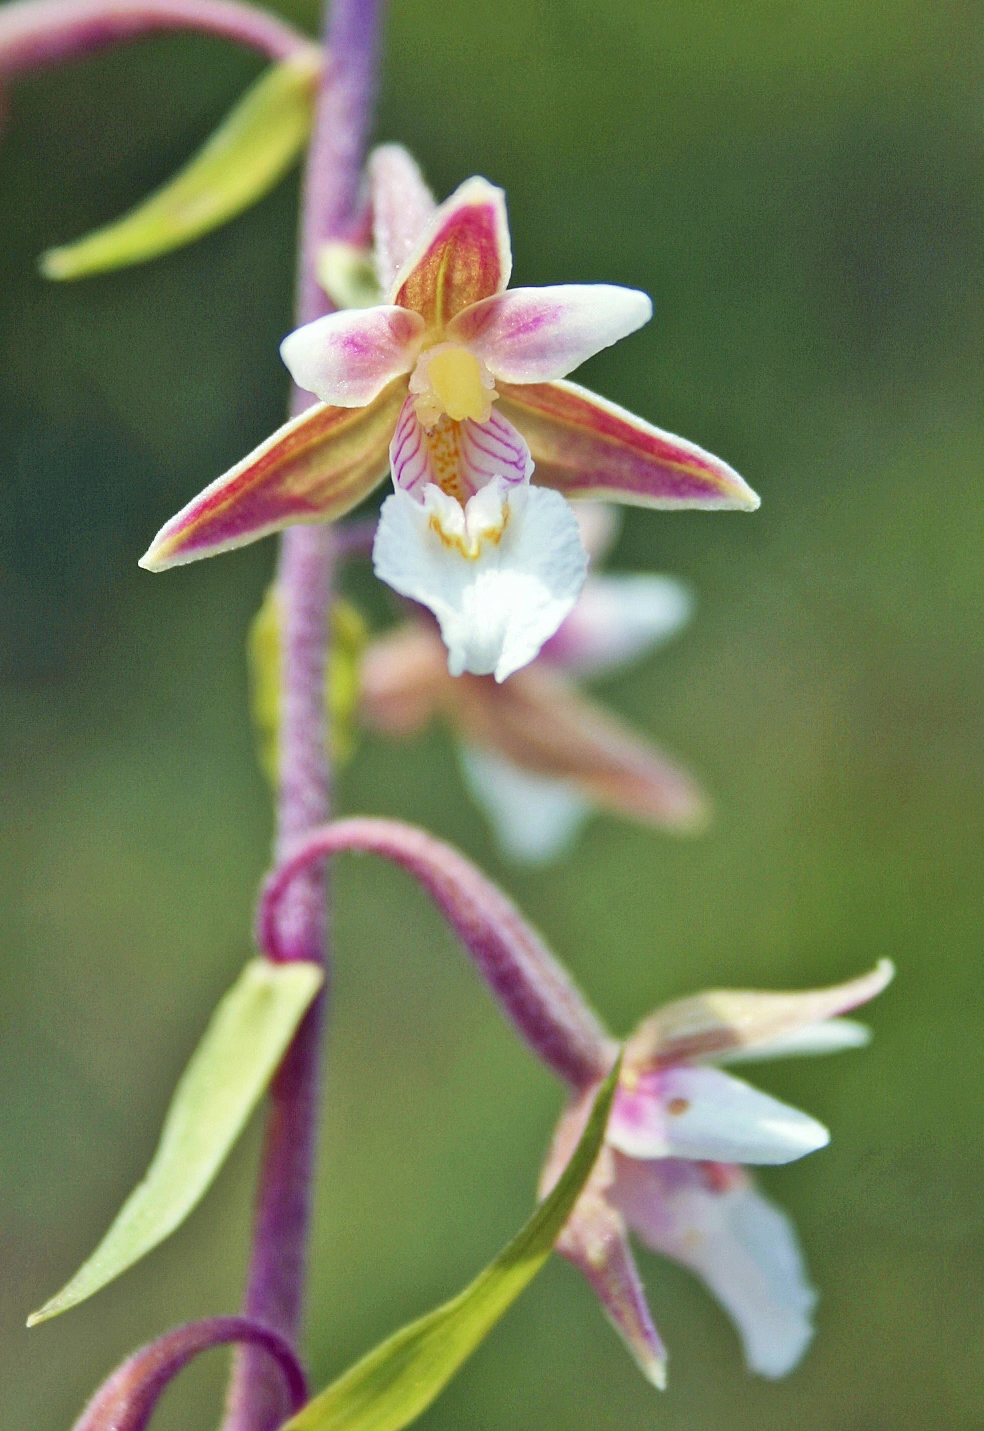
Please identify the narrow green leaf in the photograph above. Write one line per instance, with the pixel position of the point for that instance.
(397, 1381)
(243, 1044)
(246, 156)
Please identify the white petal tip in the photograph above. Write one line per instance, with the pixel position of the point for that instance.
(886, 971)
(655, 1373)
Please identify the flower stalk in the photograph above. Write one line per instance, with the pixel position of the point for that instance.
(275, 1281)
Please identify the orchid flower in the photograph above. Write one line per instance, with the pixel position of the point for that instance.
(680, 1131)
(456, 383)
(672, 1169)
(537, 755)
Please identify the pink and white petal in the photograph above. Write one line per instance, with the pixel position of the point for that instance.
(535, 818)
(812, 1040)
(714, 1221)
(462, 256)
(403, 680)
(542, 725)
(596, 1242)
(459, 457)
(315, 468)
(618, 619)
(720, 1021)
(588, 447)
(347, 358)
(533, 335)
(401, 207)
(702, 1113)
(496, 607)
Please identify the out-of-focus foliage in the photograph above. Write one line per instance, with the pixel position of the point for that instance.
(798, 186)
(347, 643)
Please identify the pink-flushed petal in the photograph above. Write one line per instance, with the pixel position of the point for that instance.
(618, 619)
(539, 722)
(402, 204)
(404, 680)
(315, 468)
(459, 457)
(595, 1240)
(348, 358)
(533, 335)
(711, 1218)
(721, 1020)
(462, 256)
(588, 447)
(685, 1111)
(599, 524)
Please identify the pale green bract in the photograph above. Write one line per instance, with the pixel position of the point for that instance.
(225, 1079)
(396, 1382)
(246, 156)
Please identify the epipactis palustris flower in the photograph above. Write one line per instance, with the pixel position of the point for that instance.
(537, 754)
(673, 1172)
(456, 383)
(681, 1130)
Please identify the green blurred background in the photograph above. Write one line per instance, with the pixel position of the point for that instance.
(798, 186)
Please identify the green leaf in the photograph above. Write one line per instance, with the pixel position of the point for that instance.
(243, 1044)
(246, 156)
(397, 1381)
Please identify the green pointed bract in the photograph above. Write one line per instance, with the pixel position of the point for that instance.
(228, 1073)
(395, 1383)
(243, 160)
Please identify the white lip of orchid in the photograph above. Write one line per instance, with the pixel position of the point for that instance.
(449, 381)
(467, 528)
(500, 572)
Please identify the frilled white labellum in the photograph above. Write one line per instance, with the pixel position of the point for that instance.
(500, 574)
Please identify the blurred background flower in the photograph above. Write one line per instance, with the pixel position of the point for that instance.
(799, 190)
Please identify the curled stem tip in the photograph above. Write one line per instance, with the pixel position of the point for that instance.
(126, 1401)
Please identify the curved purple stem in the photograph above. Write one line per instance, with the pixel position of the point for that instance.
(330, 208)
(528, 982)
(126, 1401)
(43, 32)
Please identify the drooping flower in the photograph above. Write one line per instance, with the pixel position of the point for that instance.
(456, 382)
(681, 1130)
(537, 755)
(673, 1172)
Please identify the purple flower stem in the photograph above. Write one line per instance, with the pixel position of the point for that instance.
(529, 984)
(126, 1400)
(330, 209)
(44, 32)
